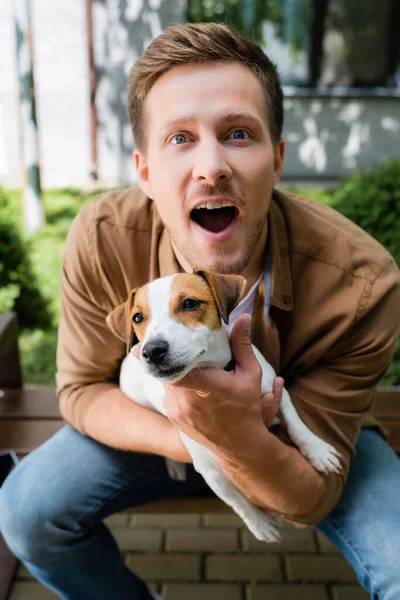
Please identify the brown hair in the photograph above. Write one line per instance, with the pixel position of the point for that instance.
(193, 43)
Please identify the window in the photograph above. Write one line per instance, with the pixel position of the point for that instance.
(352, 43)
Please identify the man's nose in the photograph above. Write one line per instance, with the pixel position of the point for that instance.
(211, 165)
(155, 351)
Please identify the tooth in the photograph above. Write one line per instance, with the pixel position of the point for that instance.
(210, 205)
(218, 205)
(226, 204)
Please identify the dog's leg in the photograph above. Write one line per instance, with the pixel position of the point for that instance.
(261, 523)
(147, 392)
(321, 455)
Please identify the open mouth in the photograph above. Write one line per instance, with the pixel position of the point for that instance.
(214, 217)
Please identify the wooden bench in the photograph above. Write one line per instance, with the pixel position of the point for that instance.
(29, 417)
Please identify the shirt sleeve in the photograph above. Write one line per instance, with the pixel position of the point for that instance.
(333, 397)
(88, 353)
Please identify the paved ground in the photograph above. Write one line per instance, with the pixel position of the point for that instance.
(212, 557)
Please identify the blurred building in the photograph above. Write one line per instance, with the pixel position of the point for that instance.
(338, 60)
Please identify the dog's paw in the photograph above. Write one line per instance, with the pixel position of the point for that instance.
(322, 456)
(264, 527)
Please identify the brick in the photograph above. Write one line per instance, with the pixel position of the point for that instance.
(202, 540)
(243, 568)
(221, 520)
(22, 572)
(200, 591)
(139, 540)
(117, 520)
(22, 590)
(325, 545)
(165, 520)
(164, 567)
(293, 540)
(349, 592)
(319, 568)
(286, 592)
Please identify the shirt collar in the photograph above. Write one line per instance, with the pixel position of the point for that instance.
(281, 284)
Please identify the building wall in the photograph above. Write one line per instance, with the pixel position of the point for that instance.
(326, 137)
(330, 137)
(61, 93)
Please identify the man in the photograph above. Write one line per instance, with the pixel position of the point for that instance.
(205, 105)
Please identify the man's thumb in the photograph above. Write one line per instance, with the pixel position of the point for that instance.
(241, 343)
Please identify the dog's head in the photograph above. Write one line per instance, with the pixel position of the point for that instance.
(177, 319)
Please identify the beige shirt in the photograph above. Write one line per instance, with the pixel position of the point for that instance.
(335, 311)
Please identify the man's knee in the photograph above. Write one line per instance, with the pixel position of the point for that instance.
(28, 506)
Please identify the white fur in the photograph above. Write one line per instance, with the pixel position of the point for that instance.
(201, 347)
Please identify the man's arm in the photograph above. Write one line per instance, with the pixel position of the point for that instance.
(118, 422)
(331, 398)
(89, 355)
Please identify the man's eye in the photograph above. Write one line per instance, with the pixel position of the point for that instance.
(240, 134)
(138, 318)
(190, 304)
(179, 139)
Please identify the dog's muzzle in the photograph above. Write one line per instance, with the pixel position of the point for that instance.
(155, 352)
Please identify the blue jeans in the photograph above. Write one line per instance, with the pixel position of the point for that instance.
(53, 503)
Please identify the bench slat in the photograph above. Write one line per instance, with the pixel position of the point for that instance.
(43, 403)
(10, 368)
(25, 435)
(194, 505)
(387, 404)
(8, 564)
(29, 404)
(393, 427)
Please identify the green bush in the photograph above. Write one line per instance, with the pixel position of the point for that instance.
(18, 285)
(372, 201)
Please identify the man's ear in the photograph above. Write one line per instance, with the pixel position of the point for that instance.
(119, 321)
(142, 172)
(227, 290)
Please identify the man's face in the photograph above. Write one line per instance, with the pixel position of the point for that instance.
(208, 141)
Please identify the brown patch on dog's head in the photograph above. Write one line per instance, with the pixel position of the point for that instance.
(227, 290)
(188, 287)
(141, 305)
(120, 320)
(120, 323)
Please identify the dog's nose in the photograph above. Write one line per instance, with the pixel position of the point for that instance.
(155, 351)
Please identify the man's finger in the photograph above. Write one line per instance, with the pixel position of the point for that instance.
(241, 344)
(201, 381)
(270, 402)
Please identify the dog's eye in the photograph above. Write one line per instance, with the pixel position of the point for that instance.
(190, 304)
(138, 318)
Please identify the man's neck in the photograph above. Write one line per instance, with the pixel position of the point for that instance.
(251, 272)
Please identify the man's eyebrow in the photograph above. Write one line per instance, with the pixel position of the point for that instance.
(229, 117)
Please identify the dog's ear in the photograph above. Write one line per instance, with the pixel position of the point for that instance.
(119, 321)
(227, 290)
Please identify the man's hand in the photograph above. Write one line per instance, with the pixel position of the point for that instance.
(271, 401)
(224, 410)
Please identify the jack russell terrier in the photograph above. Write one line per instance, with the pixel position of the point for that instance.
(177, 319)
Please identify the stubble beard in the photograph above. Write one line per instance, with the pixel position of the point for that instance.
(221, 263)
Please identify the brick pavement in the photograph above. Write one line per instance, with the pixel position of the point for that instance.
(193, 557)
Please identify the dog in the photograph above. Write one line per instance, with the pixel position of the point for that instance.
(179, 321)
